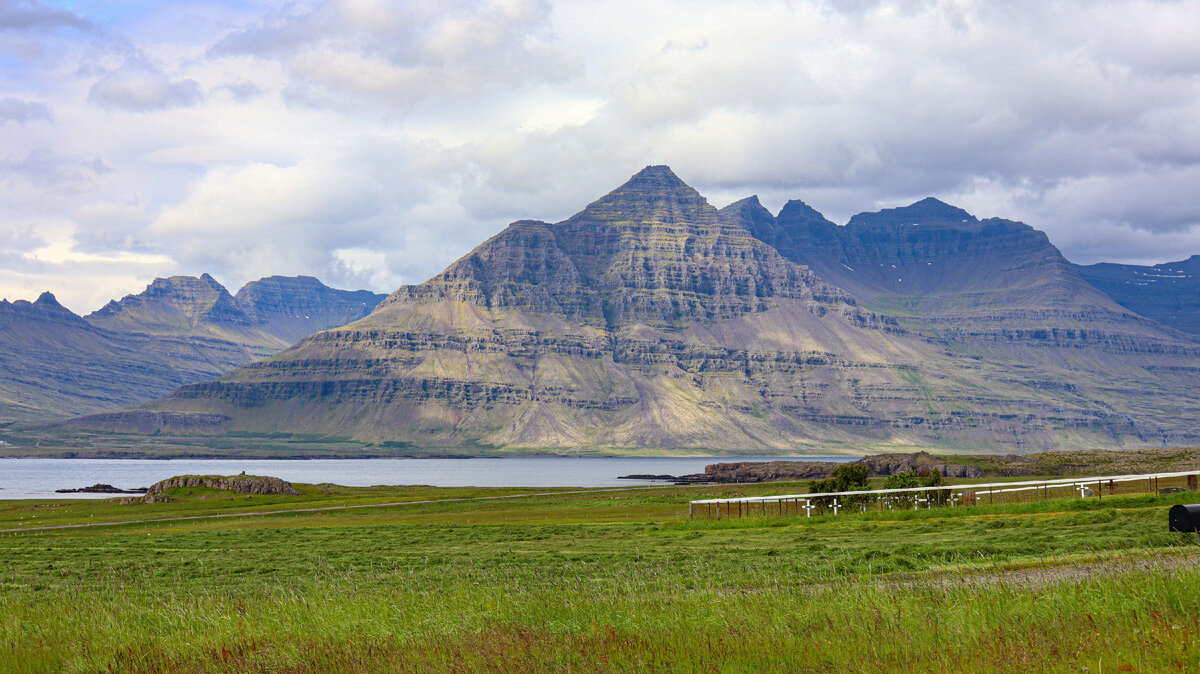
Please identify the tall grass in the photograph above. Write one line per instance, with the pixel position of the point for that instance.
(1053, 586)
(1147, 618)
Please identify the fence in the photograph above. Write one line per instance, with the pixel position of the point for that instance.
(915, 498)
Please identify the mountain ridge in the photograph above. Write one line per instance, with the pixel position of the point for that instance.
(652, 319)
(180, 330)
(1168, 292)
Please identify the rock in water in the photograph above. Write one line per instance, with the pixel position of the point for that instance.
(100, 488)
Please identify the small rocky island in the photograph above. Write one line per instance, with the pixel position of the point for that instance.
(101, 488)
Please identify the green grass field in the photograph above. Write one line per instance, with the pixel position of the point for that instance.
(593, 581)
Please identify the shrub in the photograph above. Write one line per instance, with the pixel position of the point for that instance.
(846, 477)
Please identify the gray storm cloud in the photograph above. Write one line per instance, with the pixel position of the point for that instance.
(25, 15)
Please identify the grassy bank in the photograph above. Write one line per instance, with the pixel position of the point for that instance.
(595, 581)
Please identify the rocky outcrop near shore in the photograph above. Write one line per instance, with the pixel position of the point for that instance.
(879, 465)
(241, 484)
(1053, 463)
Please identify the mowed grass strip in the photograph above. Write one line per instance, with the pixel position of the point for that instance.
(565, 582)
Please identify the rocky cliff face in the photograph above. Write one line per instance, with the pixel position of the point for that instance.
(652, 251)
(949, 276)
(650, 319)
(178, 331)
(1168, 293)
(293, 307)
(270, 313)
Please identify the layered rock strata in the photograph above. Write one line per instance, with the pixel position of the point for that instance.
(650, 319)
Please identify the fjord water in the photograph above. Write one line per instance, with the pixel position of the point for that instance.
(38, 478)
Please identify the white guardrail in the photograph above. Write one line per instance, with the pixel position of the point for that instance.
(955, 494)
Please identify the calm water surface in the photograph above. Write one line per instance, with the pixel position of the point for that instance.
(38, 478)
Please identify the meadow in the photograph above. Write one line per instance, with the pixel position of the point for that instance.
(593, 580)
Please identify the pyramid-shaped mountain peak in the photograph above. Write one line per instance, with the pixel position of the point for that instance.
(657, 177)
(47, 299)
(651, 252)
(654, 194)
(796, 212)
(748, 203)
(657, 182)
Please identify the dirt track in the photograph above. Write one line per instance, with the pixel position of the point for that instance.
(1034, 578)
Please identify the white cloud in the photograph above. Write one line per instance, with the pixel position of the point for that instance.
(254, 220)
(138, 86)
(401, 53)
(344, 217)
(371, 143)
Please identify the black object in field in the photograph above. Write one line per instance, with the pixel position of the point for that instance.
(1185, 518)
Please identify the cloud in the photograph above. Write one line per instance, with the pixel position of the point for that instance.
(138, 86)
(48, 170)
(371, 143)
(19, 239)
(335, 216)
(18, 111)
(107, 227)
(23, 15)
(241, 91)
(398, 53)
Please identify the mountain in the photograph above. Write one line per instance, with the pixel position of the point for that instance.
(187, 306)
(54, 363)
(930, 261)
(270, 313)
(1168, 293)
(290, 308)
(651, 319)
(180, 330)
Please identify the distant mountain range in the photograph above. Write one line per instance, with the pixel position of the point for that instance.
(180, 330)
(652, 319)
(1168, 293)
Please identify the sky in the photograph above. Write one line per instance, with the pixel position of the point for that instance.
(372, 143)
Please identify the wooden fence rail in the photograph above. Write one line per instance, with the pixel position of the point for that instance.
(915, 498)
